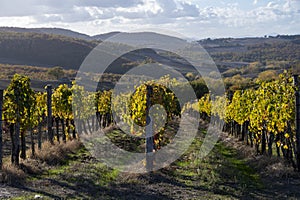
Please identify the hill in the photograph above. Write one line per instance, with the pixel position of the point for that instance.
(47, 50)
(104, 36)
(270, 52)
(54, 31)
(59, 31)
(48, 47)
(43, 49)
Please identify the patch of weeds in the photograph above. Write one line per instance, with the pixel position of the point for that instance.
(125, 141)
(57, 154)
(58, 170)
(31, 196)
(237, 168)
(12, 175)
(221, 171)
(104, 175)
(183, 164)
(193, 171)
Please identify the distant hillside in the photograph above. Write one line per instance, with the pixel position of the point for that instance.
(43, 49)
(48, 50)
(254, 49)
(273, 52)
(49, 47)
(59, 31)
(104, 36)
(55, 31)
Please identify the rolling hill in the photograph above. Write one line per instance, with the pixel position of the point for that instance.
(48, 47)
(47, 50)
(43, 49)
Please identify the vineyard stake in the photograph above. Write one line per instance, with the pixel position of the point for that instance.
(49, 112)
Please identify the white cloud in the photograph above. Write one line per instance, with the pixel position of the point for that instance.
(192, 17)
(15, 21)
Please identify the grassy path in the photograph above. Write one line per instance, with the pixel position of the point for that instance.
(223, 174)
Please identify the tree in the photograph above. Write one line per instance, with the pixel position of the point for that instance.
(199, 87)
(56, 72)
(190, 76)
(267, 75)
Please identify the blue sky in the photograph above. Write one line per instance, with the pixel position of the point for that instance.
(192, 18)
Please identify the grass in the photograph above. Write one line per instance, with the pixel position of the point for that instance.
(125, 141)
(69, 159)
(31, 196)
(222, 171)
(32, 168)
(245, 177)
(12, 175)
(57, 154)
(73, 173)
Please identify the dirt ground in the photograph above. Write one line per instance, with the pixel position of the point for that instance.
(230, 171)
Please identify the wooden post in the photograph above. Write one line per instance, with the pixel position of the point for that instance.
(64, 138)
(32, 142)
(1, 144)
(57, 128)
(149, 132)
(12, 137)
(40, 133)
(97, 120)
(297, 118)
(17, 132)
(49, 112)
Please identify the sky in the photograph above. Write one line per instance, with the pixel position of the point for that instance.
(190, 18)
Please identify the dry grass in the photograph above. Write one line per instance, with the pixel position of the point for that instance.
(274, 167)
(268, 166)
(49, 155)
(58, 153)
(12, 175)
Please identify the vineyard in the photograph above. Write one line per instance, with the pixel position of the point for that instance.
(63, 113)
(48, 115)
(262, 117)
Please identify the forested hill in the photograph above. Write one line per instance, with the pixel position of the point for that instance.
(48, 47)
(55, 31)
(43, 49)
(59, 31)
(47, 50)
(282, 50)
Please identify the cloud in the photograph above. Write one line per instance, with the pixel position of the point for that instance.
(105, 3)
(233, 15)
(74, 15)
(188, 16)
(36, 7)
(187, 10)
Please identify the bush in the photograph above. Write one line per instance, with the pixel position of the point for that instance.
(12, 175)
(57, 154)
